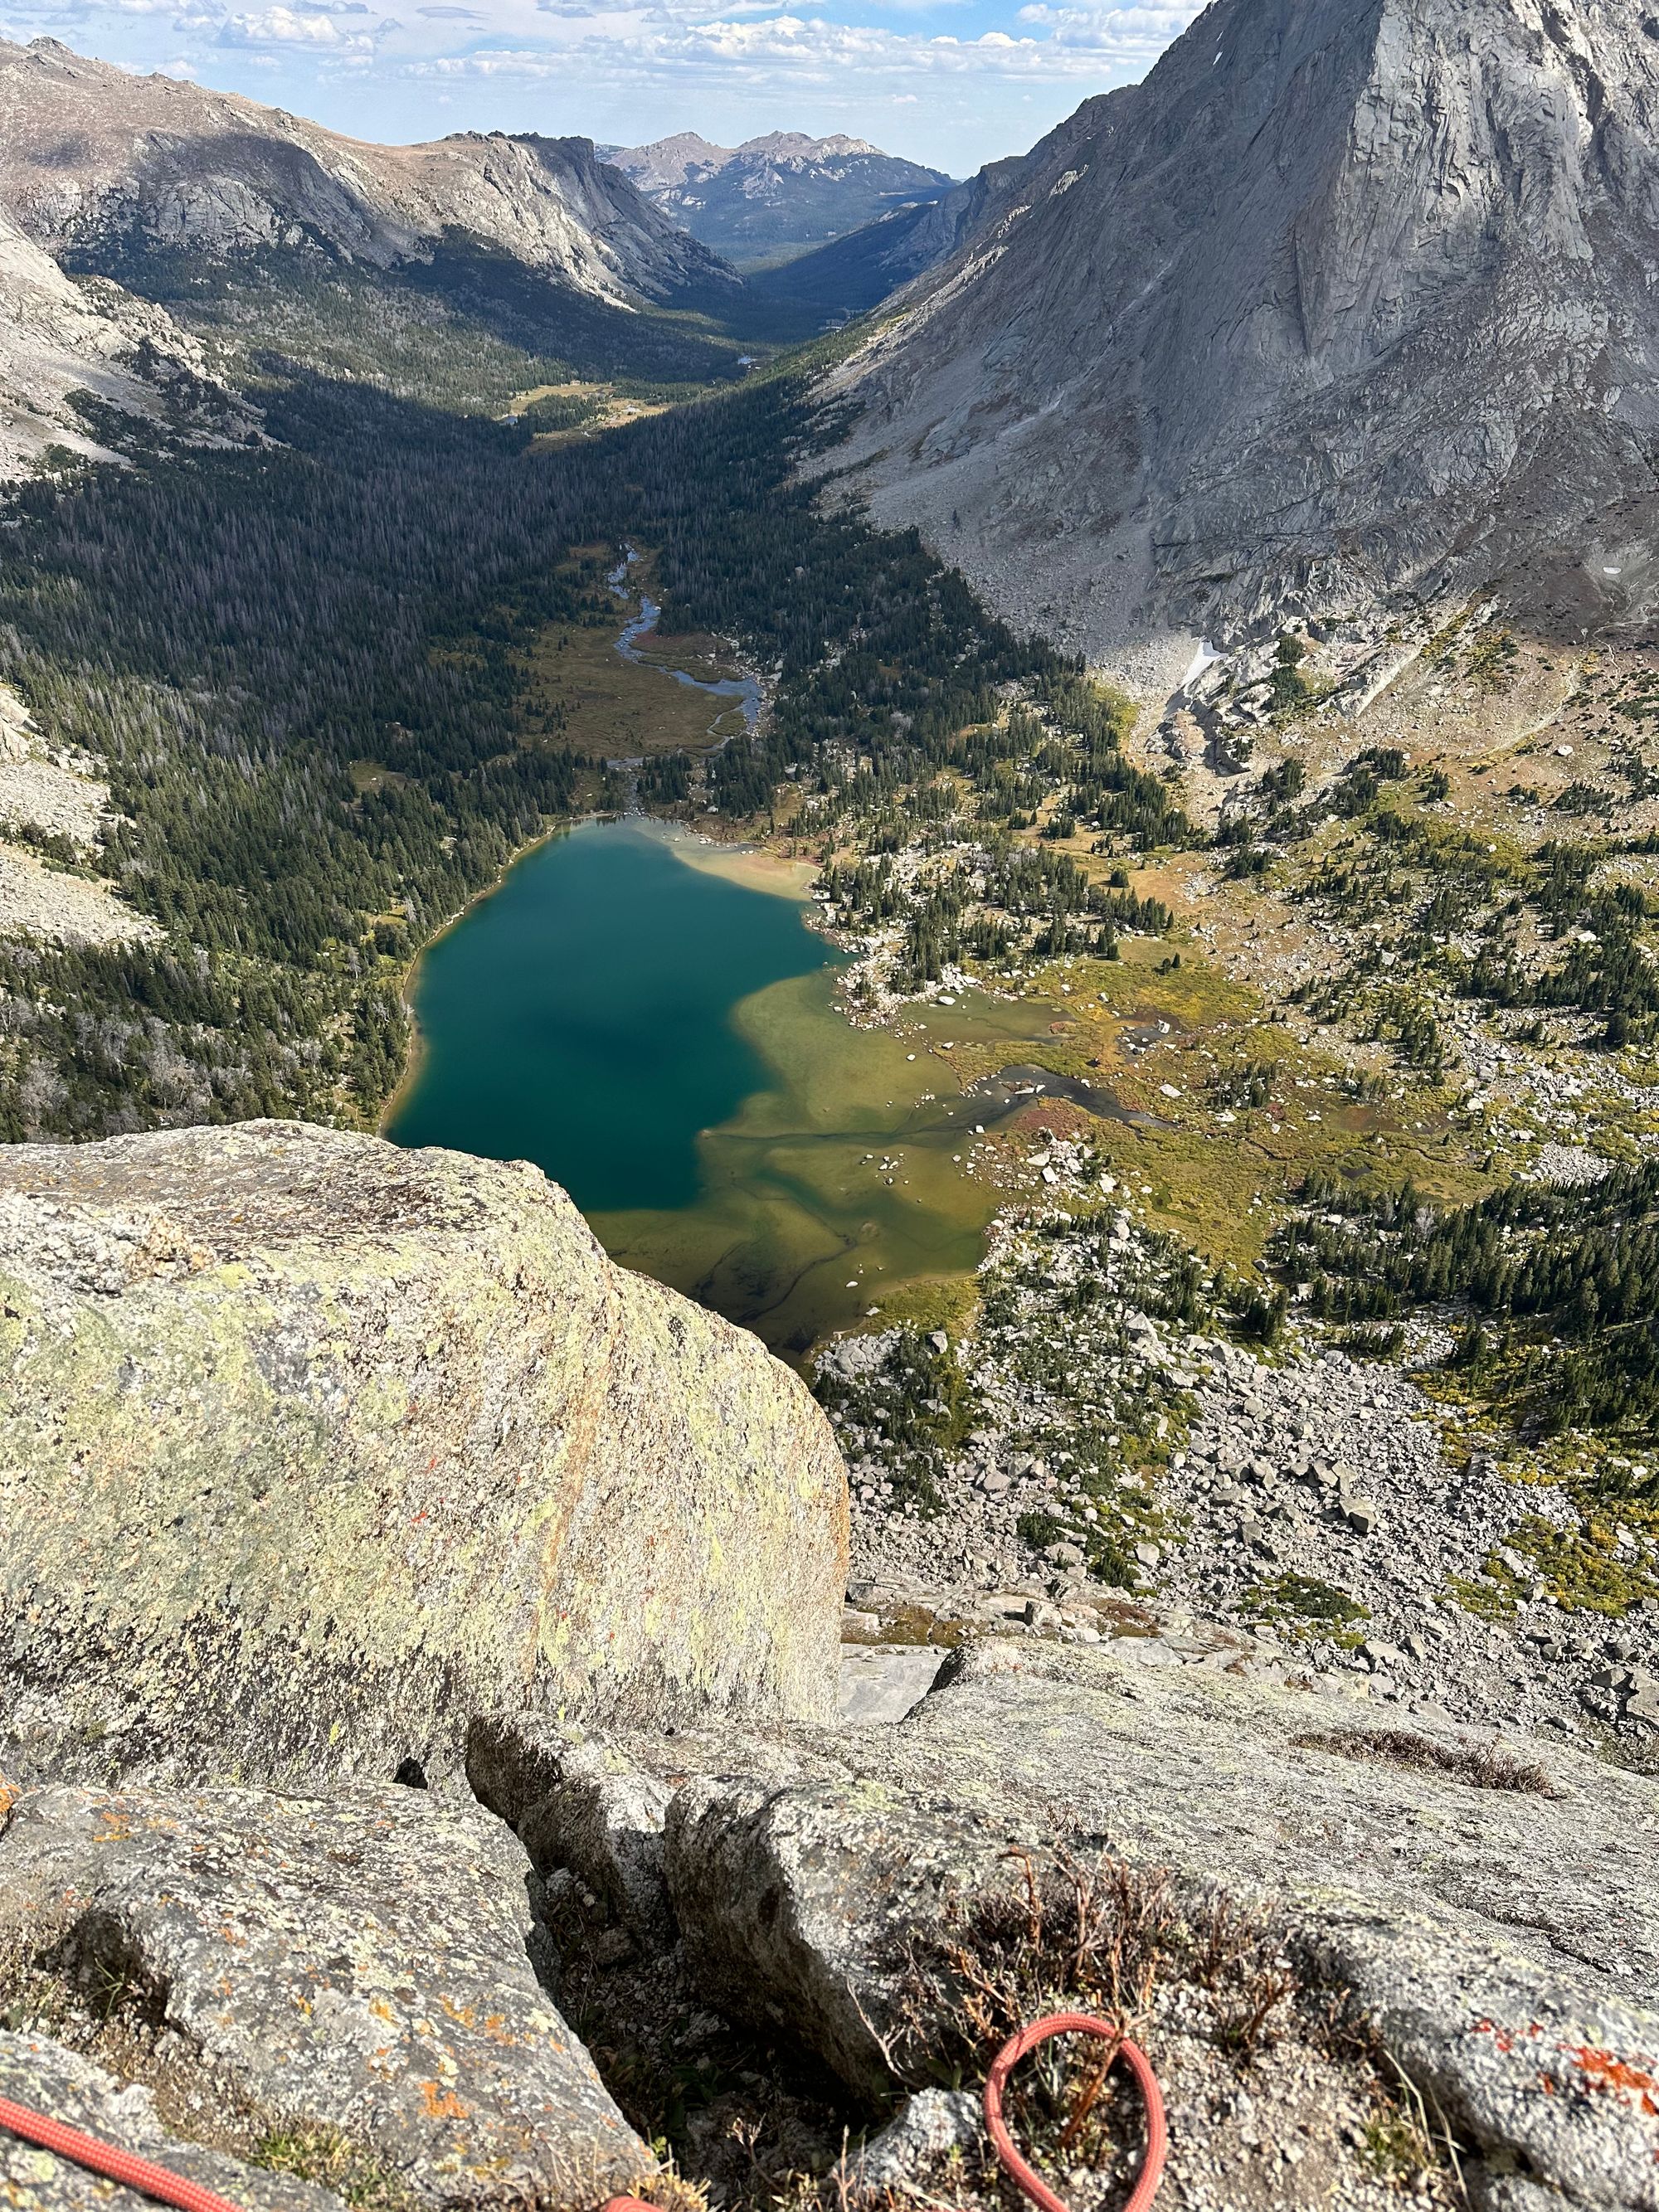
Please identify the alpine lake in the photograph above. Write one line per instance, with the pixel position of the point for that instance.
(646, 1014)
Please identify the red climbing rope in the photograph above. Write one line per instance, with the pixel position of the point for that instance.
(1076, 2023)
(190, 2195)
(118, 2164)
(1016, 2048)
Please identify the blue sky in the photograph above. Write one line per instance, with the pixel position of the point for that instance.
(953, 83)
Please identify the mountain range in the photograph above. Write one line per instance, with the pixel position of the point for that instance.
(774, 196)
(1344, 305)
(93, 158)
(1344, 302)
(157, 190)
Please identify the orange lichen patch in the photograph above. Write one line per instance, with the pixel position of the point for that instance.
(1626, 2079)
(1506, 2038)
(10, 1796)
(1601, 2069)
(441, 2104)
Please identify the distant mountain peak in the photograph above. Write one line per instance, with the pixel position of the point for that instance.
(796, 143)
(1347, 298)
(776, 194)
(89, 151)
(120, 178)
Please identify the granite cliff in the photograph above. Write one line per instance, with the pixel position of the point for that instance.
(1346, 300)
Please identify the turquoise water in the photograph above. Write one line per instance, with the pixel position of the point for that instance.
(663, 1039)
(581, 1015)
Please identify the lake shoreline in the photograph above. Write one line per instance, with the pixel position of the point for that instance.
(737, 862)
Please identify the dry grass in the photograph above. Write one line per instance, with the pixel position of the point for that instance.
(1486, 1766)
(1100, 1936)
(1212, 1989)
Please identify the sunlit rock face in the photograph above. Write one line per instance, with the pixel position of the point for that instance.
(311, 1448)
(1347, 298)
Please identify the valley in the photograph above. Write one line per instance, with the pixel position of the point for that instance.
(1039, 796)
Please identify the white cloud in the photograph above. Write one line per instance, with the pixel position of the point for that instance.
(1131, 33)
(291, 27)
(962, 88)
(810, 48)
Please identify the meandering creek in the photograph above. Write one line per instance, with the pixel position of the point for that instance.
(745, 690)
(646, 1015)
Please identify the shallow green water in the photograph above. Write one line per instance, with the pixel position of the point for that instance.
(664, 1041)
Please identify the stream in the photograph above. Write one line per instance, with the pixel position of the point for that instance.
(643, 624)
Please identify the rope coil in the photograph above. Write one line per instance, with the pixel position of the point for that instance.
(1151, 2098)
(169, 2188)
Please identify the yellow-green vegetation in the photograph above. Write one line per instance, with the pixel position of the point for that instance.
(1491, 659)
(1593, 1564)
(560, 414)
(583, 696)
(372, 775)
(950, 1303)
(1253, 1110)
(1551, 1373)
(1398, 2145)
(324, 2156)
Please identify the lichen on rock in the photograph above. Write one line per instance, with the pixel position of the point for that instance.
(359, 1966)
(310, 1449)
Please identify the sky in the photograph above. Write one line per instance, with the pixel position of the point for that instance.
(950, 82)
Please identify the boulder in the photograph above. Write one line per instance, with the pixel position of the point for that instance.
(41, 2075)
(1492, 1912)
(599, 1807)
(795, 1904)
(312, 1448)
(360, 1966)
(883, 1681)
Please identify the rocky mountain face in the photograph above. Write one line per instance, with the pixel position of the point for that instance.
(774, 194)
(1347, 299)
(416, 1447)
(115, 190)
(93, 159)
(127, 355)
